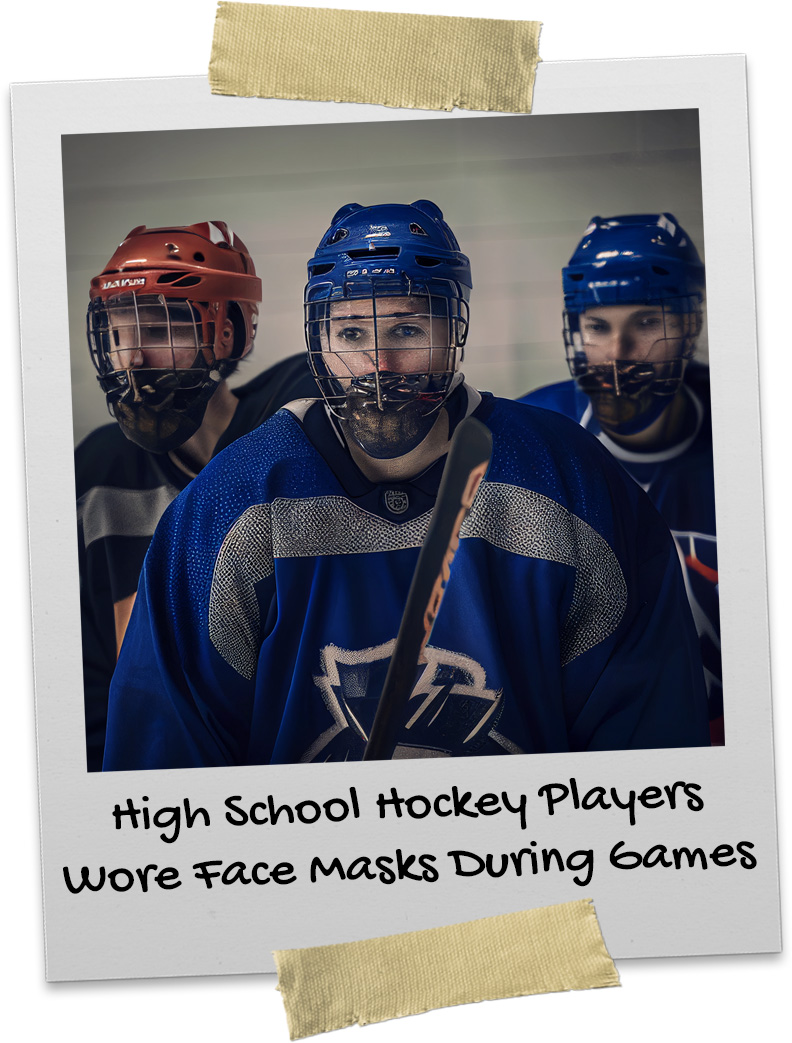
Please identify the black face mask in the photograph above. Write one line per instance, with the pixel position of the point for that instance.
(160, 414)
(627, 416)
(402, 423)
(627, 397)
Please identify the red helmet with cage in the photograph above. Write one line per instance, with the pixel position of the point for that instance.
(204, 263)
(169, 315)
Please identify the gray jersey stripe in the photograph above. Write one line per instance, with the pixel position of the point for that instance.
(524, 522)
(106, 510)
(330, 525)
(244, 560)
(517, 520)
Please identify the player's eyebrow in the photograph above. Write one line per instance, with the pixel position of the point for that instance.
(650, 309)
(390, 315)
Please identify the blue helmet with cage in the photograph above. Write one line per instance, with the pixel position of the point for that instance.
(647, 263)
(386, 320)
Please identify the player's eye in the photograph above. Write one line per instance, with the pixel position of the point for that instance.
(407, 331)
(651, 322)
(596, 326)
(351, 334)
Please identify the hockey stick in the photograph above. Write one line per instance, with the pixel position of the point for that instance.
(468, 459)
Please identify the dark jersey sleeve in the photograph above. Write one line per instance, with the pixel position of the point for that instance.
(121, 494)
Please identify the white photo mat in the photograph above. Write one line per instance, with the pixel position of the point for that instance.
(233, 928)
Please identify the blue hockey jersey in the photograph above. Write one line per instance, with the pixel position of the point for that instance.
(273, 590)
(679, 481)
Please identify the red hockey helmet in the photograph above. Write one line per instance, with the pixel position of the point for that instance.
(204, 263)
(169, 315)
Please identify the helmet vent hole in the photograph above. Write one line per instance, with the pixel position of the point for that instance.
(660, 271)
(169, 277)
(417, 230)
(321, 269)
(576, 276)
(337, 236)
(428, 262)
(378, 251)
(198, 256)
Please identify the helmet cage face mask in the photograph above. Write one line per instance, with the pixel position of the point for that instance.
(364, 344)
(155, 361)
(656, 366)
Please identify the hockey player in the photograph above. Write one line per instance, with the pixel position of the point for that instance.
(170, 317)
(633, 299)
(272, 595)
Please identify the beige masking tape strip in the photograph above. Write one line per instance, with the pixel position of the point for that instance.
(400, 60)
(554, 949)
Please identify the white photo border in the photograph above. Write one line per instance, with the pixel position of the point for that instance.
(232, 930)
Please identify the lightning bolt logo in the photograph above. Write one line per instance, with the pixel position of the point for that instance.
(452, 710)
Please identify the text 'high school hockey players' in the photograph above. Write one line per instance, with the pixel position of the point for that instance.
(273, 591)
(633, 299)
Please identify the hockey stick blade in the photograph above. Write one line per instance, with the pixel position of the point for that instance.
(468, 459)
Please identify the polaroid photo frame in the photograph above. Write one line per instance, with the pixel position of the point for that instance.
(173, 898)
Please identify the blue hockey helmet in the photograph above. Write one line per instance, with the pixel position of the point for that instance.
(634, 259)
(369, 257)
(376, 246)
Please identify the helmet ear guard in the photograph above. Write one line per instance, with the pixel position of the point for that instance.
(241, 331)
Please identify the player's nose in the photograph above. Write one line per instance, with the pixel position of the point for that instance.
(130, 358)
(623, 342)
(389, 361)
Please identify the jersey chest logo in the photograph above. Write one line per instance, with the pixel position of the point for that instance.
(451, 709)
(396, 500)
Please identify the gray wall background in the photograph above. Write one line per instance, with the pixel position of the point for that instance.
(518, 192)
